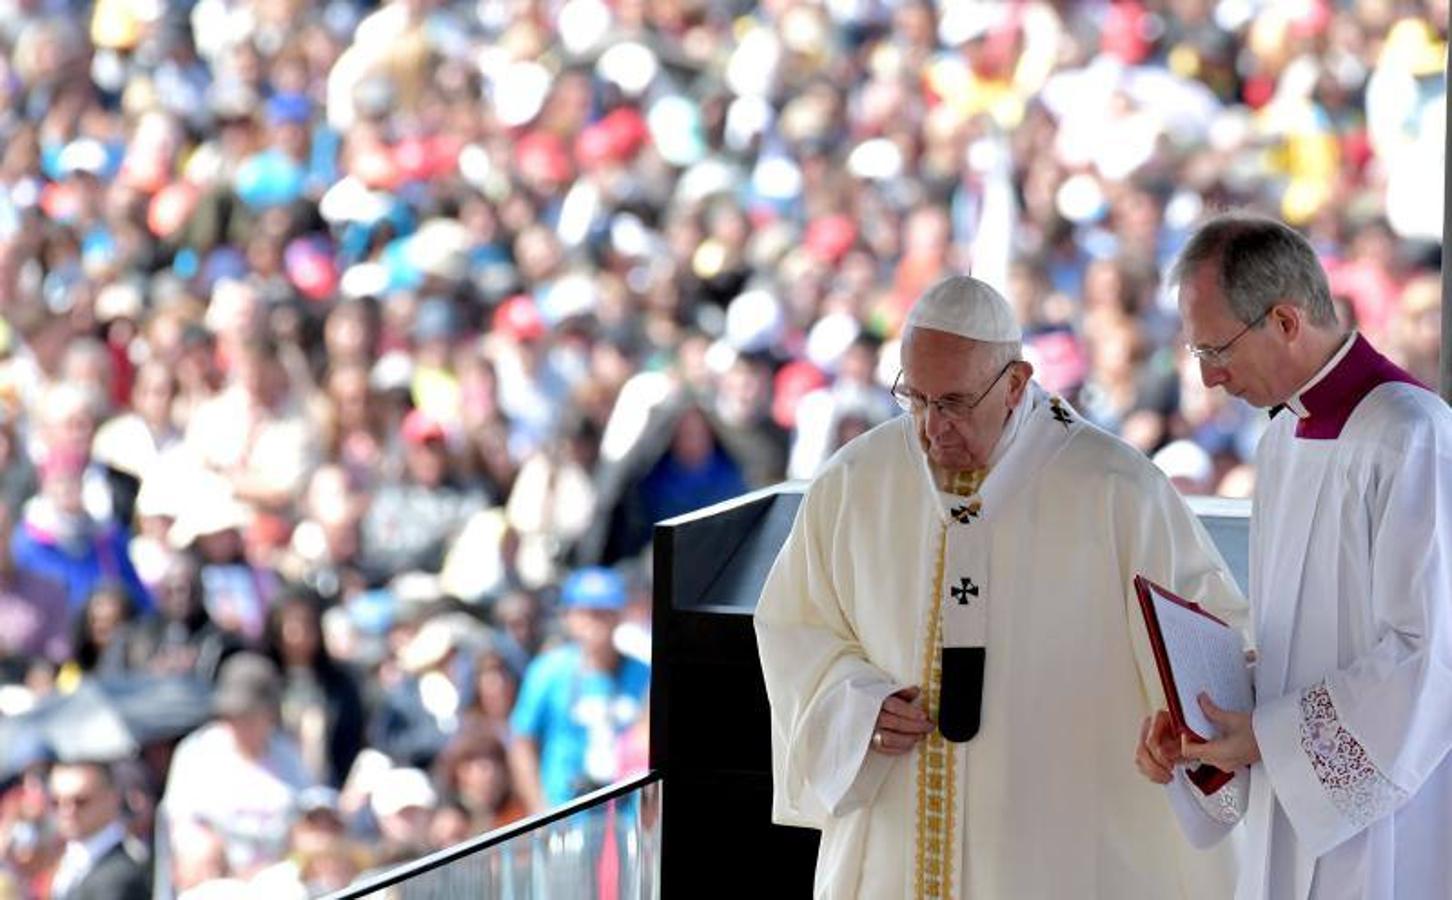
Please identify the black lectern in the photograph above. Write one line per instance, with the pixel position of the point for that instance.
(709, 728)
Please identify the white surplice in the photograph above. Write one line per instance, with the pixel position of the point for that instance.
(1047, 801)
(1351, 587)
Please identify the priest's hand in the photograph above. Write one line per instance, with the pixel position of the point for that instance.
(1235, 748)
(1159, 748)
(901, 723)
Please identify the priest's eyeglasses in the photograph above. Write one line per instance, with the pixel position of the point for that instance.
(951, 406)
(1219, 357)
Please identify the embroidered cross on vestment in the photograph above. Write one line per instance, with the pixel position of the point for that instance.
(1061, 415)
(965, 589)
(966, 512)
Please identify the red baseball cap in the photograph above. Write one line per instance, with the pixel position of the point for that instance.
(519, 320)
(542, 156)
(830, 237)
(793, 381)
(421, 428)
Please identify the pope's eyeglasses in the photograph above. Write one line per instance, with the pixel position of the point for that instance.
(951, 406)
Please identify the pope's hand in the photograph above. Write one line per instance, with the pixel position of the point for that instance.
(901, 723)
(1159, 748)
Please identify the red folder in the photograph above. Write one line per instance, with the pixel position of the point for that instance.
(1205, 776)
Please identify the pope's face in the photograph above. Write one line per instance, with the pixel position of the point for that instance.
(937, 366)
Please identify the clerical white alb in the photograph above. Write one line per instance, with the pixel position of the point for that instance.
(1044, 801)
(1351, 587)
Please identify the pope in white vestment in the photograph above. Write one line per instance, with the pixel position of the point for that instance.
(1044, 801)
(1351, 586)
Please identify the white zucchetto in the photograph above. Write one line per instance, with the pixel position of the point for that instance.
(967, 307)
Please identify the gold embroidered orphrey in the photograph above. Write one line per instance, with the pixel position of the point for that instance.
(936, 777)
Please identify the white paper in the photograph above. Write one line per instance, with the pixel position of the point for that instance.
(1205, 656)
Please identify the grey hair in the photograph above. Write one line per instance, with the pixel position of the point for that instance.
(1003, 352)
(997, 353)
(1260, 262)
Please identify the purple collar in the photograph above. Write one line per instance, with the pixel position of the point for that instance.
(1331, 400)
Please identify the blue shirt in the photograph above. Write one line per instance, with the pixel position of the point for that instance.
(672, 489)
(106, 557)
(576, 717)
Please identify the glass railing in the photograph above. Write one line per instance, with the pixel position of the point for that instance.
(603, 846)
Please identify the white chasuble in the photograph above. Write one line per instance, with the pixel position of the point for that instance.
(1044, 800)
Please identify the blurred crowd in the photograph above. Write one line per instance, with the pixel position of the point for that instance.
(348, 352)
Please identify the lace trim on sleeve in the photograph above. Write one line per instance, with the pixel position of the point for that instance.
(1347, 774)
(1227, 805)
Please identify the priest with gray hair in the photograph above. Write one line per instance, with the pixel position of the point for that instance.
(952, 646)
